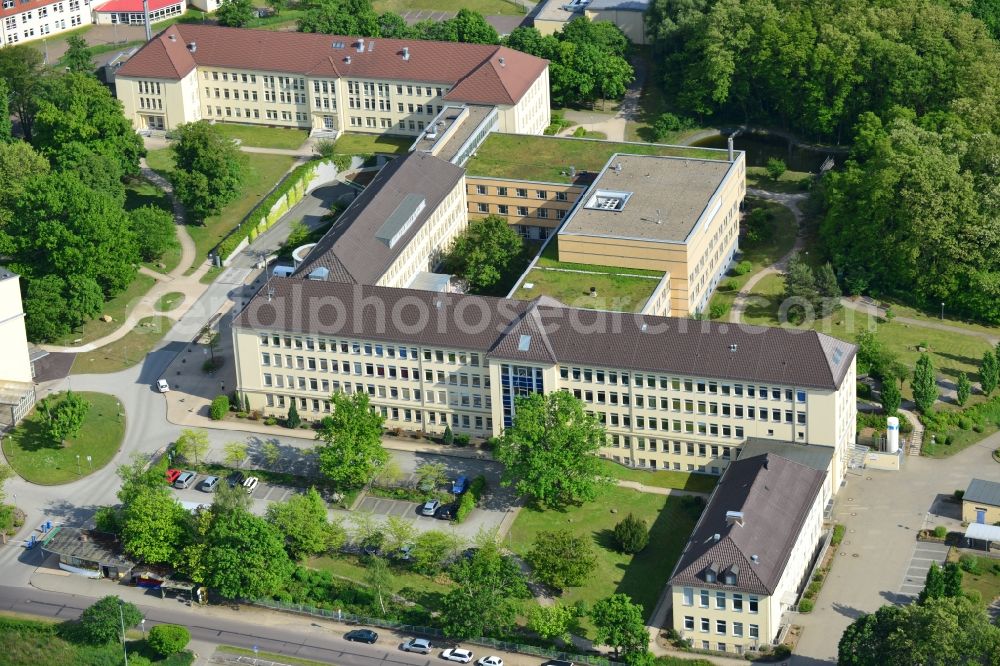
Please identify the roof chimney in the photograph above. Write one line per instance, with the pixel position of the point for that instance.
(361, 44)
(193, 47)
(347, 60)
(172, 37)
(716, 536)
(729, 143)
(406, 53)
(755, 559)
(734, 518)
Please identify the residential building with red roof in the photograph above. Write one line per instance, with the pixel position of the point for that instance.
(325, 83)
(130, 12)
(25, 20)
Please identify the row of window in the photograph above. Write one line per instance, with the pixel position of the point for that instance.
(521, 192)
(151, 103)
(522, 211)
(722, 628)
(375, 349)
(723, 600)
(677, 384)
(326, 386)
(376, 370)
(56, 8)
(652, 464)
(398, 414)
(138, 18)
(699, 449)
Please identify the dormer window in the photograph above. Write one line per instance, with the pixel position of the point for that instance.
(732, 575)
(712, 573)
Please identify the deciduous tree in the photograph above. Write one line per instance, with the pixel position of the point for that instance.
(549, 452)
(561, 559)
(6, 127)
(78, 58)
(102, 621)
(484, 602)
(379, 578)
(934, 585)
(431, 550)
(210, 169)
(485, 253)
(154, 231)
(302, 519)
(551, 622)
(619, 624)
(244, 556)
(352, 452)
(235, 453)
(235, 13)
(963, 389)
(168, 639)
(952, 580)
(65, 416)
(399, 532)
(153, 525)
(775, 167)
(22, 69)
(192, 444)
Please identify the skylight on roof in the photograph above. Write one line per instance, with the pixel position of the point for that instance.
(608, 200)
(524, 343)
(838, 355)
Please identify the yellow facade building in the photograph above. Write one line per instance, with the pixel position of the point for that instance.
(327, 84)
(981, 502)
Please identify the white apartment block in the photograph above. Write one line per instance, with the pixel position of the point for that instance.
(17, 390)
(25, 20)
(325, 83)
(672, 393)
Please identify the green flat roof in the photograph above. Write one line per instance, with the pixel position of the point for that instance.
(548, 159)
(619, 293)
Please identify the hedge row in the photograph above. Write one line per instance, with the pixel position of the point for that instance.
(263, 217)
(470, 498)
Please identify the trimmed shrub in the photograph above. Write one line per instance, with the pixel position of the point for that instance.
(462, 439)
(166, 639)
(631, 534)
(470, 498)
(959, 494)
(805, 606)
(940, 531)
(219, 408)
(838, 535)
(742, 268)
(969, 564)
(449, 436)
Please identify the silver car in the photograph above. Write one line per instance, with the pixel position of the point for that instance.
(420, 645)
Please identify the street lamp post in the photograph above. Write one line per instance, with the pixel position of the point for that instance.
(142, 622)
(121, 616)
(942, 310)
(79, 472)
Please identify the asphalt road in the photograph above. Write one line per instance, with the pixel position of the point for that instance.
(313, 642)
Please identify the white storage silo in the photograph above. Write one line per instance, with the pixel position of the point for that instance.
(892, 434)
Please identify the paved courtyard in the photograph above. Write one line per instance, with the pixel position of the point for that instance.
(879, 559)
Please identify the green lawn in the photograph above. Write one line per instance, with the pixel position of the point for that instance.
(124, 352)
(776, 242)
(548, 159)
(140, 192)
(406, 583)
(549, 258)
(484, 7)
(614, 292)
(211, 274)
(39, 460)
(356, 143)
(263, 173)
(38, 641)
(764, 301)
(118, 308)
(641, 576)
(788, 183)
(264, 137)
(270, 657)
(169, 301)
(935, 317)
(698, 483)
(986, 582)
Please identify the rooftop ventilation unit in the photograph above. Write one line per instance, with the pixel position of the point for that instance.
(406, 53)
(755, 559)
(503, 63)
(618, 168)
(608, 200)
(734, 518)
(361, 45)
(193, 47)
(733, 347)
(371, 46)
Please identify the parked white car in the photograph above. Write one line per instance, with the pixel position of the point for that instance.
(162, 386)
(491, 660)
(250, 484)
(460, 655)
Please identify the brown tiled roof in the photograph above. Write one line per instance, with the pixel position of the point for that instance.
(775, 496)
(350, 249)
(602, 339)
(440, 63)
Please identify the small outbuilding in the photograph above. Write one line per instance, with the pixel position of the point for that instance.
(981, 502)
(87, 553)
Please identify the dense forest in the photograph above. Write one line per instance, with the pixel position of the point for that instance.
(912, 85)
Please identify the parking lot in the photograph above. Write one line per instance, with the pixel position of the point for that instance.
(262, 495)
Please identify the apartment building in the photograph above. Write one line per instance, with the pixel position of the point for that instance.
(25, 20)
(325, 83)
(17, 390)
(131, 12)
(749, 555)
(396, 229)
(672, 393)
(672, 214)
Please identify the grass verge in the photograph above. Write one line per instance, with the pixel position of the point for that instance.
(117, 308)
(641, 576)
(264, 137)
(406, 583)
(368, 144)
(791, 182)
(126, 351)
(697, 483)
(275, 657)
(987, 579)
(169, 301)
(38, 459)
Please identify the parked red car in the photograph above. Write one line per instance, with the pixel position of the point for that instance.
(172, 475)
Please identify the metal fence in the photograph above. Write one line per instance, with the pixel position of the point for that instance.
(506, 646)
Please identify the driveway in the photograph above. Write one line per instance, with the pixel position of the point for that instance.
(880, 561)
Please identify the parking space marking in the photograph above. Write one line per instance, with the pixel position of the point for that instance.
(920, 563)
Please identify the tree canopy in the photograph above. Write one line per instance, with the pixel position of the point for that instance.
(244, 556)
(78, 58)
(549, 452)
(561, 559)
(235, 13)
(484, 254)
(302, 520)
(209, 171)
(485, 599)
(620, 625)
(102, 621)
(352, 452)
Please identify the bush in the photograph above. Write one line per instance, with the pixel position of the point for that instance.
(449, 436)
(219, 408)
(668, 123)
(959, 494)
(462, 440)
(166, 639)
(970, 564)
(742, 268)
(270, 420)
(940, 531)
(631, 534)
(469, 499)
(864, 390)
(718, 310)
(783, 651)
(838, 535)
(326, 148)
(805, 606)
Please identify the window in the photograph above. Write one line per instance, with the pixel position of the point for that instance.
(706, 625)
(689, 622)
(560, 196)
(754, 602)
(521, 192)
(754, 631)
(738, 629)
(704, 598)
(720, 627)
(688, 596)
(720, 600)
(483, 207)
